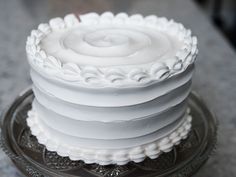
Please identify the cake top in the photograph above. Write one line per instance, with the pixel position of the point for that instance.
(111, 50)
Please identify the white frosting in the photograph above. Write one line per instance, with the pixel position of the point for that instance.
(121, 113)
(110, 97)
(62, 144)
(111, 51)
(117, 129)
(111, 45)
(110, 89)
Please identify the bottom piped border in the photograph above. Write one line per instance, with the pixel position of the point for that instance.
(106, 156)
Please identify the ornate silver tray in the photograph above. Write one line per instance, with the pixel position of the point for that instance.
(34, 160)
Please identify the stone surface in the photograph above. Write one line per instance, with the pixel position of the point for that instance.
(214, 80)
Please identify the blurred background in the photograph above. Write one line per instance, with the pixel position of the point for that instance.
(212, 21)
(223, 14)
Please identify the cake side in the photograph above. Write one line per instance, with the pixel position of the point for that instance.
(105, 156)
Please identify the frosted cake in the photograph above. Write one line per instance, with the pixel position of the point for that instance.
(110, 89)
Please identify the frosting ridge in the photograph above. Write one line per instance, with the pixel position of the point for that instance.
(110, 156)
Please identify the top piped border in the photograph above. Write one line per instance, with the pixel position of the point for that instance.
(136, 75)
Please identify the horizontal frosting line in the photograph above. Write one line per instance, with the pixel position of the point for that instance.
(117, 130)
(111, 114)
(109, 97)
(80, 142)
(106, 156)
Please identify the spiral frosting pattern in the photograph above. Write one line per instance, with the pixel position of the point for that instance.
(106, 46)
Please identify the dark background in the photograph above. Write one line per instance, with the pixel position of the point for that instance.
(223, 15)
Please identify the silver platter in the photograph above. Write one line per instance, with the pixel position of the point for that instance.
(34, 160)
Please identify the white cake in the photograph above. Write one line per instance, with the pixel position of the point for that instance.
(110, 89)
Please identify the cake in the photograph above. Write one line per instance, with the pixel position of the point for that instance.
(110, 89)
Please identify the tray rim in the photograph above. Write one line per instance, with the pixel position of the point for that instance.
(35, 169)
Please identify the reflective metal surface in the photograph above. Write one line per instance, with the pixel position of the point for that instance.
(34, 160)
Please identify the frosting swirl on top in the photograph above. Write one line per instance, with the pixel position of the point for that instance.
(103, 45)
(111, 50)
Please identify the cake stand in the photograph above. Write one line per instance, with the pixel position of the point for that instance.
(33, 159)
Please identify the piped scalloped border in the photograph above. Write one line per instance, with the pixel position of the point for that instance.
(106, 157)
(112, 76)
